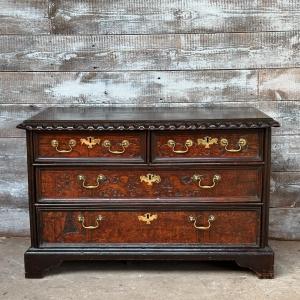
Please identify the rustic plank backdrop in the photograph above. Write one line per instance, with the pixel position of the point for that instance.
(151, 53)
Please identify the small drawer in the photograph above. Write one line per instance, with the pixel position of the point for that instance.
(221, 145)
(230, 184)
(202, 227)
(94, 145)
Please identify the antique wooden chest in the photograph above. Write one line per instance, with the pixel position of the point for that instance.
(149, 184)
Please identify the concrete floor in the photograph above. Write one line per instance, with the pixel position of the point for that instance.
(146, 280)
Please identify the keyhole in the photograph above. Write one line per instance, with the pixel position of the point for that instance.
(148, 216)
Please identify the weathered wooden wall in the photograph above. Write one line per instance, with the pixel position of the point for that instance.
(160, 52)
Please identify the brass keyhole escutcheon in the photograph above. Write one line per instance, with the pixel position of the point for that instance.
(207, 141)
(90, 142)
(149, 179)
(147, 218)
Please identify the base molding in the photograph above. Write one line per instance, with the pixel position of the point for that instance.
(40, 260)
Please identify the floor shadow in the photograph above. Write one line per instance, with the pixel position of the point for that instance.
(148, 266)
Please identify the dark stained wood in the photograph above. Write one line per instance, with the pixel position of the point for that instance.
(285, 112)
(37, 265)
(229, 227)
(241, 184)
(262, 265)
(251, 151)
(261, 261)
(239, 201)
(189, 34)
(134, 151)
(141, 118)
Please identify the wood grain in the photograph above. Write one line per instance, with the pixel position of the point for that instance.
(284, 193)
(285, 223)
(279, 85)
(169, 227)
(124, 183)
(149, 52)
(285, 112)
(24, 17)
(13, 172)
(286, 153)
(127, 88)
(12, 115)
(251, 151)
(134, 151)
(172, 16)
(285, 185)
(195, 38)
(20, 224)
(285, 189)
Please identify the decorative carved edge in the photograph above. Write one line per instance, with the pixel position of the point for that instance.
(149, 126)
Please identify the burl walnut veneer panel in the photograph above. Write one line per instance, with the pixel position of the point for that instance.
(229, 227)
(243, 184)
(206, 145)
(111, 147)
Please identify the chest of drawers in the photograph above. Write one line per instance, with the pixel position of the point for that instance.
(149, 183)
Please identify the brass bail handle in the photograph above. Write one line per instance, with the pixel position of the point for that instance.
(172, 144)
(71, 144)
(100, 178)
(124, 144)
(216, 179)
(210, 219)
(241, 143)
(81, 220)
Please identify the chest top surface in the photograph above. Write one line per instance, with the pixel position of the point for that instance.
(147, 118)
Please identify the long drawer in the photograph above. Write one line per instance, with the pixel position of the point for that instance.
(211, 184)
(202, 227)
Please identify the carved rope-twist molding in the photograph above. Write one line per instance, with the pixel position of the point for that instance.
(150, 126)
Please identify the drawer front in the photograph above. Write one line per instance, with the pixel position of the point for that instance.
(200, 227)
(230, 184)
(130, 146)
(207, 145)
